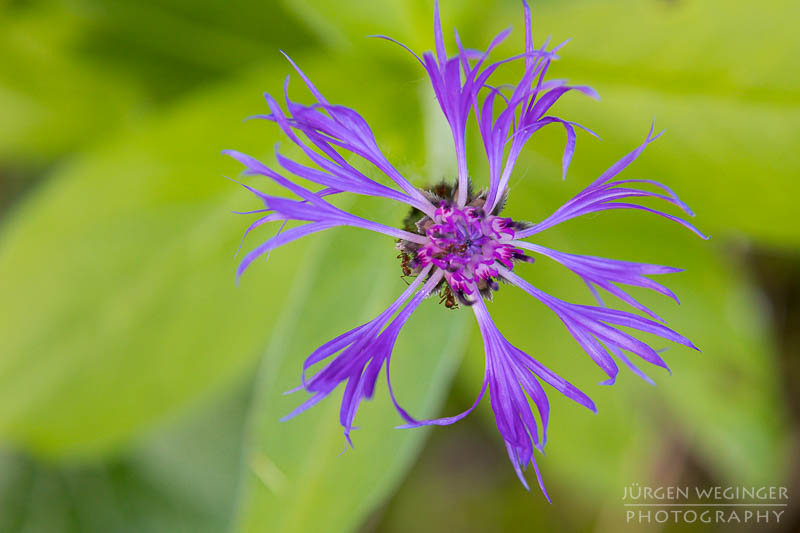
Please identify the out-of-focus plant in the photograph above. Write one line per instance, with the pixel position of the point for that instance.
(125, 348)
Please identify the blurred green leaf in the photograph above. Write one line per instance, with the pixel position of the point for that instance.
(408, 21)
(73, 71)
(297, 480)
(127, 256)
(723, 79)
(735, 161)
(181, 478)
(117, 276)
(174, 45)
(709, 48)
(52, 100)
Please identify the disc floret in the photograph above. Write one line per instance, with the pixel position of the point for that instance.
(466, 243)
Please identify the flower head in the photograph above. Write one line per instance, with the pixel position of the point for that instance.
(464, 242)
(456, 243)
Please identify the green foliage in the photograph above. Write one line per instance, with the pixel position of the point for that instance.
(722, 79)
(52, 100)
(125, 342)
(179, 478)
(72, 72)
(143, 241)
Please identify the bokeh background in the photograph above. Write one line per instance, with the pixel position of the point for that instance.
(140, 388)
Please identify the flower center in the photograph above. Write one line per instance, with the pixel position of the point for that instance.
(466, 243)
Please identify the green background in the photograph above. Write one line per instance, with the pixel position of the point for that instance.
(140, 389)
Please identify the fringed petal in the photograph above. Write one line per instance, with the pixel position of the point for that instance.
(603, 272)
(311, 208)
(594, 328)
(512, 378)
(602, 195)
(362, 352)
(326, 126)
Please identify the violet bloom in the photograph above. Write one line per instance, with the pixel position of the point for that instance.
(455, 243)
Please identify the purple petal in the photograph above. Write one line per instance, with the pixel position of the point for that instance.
(511, 374)
(590, 327)
(602, 272)
(279, 240)
(602, 195)
(361, 354)
(384, 37)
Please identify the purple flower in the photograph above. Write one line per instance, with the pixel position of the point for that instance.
(455, 243)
